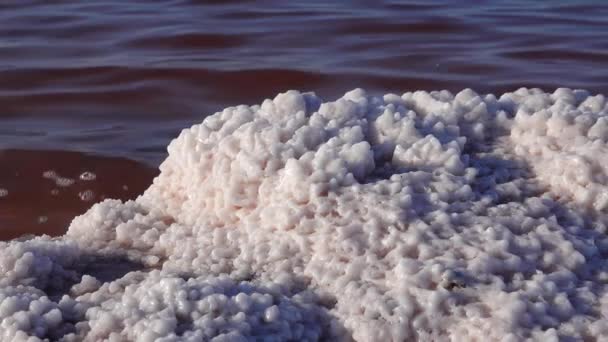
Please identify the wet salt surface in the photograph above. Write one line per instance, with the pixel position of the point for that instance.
(421, 216)
(42, 188)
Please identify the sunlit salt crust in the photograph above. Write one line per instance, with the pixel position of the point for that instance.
(425, 216)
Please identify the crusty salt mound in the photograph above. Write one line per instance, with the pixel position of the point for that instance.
(425, 216)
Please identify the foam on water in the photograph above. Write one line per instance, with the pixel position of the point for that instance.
(423, 216)
(50, 174)
(88, 176)
(86, 195)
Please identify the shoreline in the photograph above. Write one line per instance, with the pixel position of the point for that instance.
(35, 204)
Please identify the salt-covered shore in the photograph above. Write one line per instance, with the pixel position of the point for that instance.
(422, 216)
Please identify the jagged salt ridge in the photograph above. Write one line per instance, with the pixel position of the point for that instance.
(425, 216)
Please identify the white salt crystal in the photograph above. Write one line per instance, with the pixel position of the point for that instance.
(421, 216)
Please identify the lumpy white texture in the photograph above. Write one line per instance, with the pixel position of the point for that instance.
(425, 216)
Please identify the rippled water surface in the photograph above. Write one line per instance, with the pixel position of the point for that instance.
(121, 78)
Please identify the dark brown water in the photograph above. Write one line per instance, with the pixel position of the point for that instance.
(44, 190)
(121, 78)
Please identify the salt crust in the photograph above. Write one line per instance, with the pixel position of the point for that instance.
(425, 216)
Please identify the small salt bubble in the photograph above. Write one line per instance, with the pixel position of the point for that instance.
(49, 174)
(124, 187)
(55, 192)
(86, 196)
(3, 192)
(42, 219)
(88, 176)
(64, 182)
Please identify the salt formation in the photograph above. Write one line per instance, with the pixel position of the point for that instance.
(425, 216)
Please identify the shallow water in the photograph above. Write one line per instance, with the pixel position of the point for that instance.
(44, 190)
(117, 78)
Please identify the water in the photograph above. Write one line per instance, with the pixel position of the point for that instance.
(45, 190)
(122, 78)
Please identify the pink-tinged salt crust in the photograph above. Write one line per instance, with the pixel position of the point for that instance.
(422, 216)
